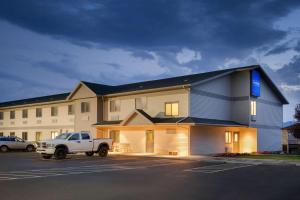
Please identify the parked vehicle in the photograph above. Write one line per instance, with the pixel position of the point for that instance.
(70, 143)
(15, 143)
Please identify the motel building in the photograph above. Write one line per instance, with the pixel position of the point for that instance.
(233, 110)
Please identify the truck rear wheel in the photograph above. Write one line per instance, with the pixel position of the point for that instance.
(103, 151)
(60, 153)
(89, 153)
(47, 156)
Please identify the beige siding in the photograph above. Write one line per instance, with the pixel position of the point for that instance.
(155, 104)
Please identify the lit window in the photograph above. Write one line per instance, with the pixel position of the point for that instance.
(171, 109)
(228, 137)
(38, 136)
(236, 137)
(54, 134)
(54, 111)
(253, 108)
(85, 107)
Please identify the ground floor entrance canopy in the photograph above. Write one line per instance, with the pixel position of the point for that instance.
(139, 133)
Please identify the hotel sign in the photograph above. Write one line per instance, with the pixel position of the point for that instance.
(255, 83)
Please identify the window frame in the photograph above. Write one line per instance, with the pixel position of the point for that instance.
(228, 140)
(25, 134)
(37, 112)
(12, 114)
(54, 111)
(71, 111)
(253, 108)
(24, 113)
(171, 103)
(85, 107)
(142, 103)
(116, 108)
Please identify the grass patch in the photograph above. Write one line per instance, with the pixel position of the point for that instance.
(271, 156)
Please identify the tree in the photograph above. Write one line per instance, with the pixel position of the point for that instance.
(296, 127)
(297, 113)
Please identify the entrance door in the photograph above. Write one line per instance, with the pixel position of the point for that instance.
(236, 142)
(149, 141)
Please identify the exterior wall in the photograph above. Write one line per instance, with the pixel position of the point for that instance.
(155, 104)
(32, 124)
(224, 98)
(211, 140)
(211, 99)
(268, 120)
(165, 141)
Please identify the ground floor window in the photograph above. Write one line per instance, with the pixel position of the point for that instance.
(228, 137)
(1, 134)
(54, 134)
(24, 135)
(115, 136)
(38, 136)
(12, 134)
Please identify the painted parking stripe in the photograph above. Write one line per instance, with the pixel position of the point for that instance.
(219, 167)
(50, 172)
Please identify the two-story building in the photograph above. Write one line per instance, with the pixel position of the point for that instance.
(231, 110)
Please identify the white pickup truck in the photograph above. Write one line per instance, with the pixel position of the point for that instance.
(70, 143)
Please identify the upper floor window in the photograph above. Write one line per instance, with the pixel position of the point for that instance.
(140, 103)
(38, 112)
(253, 108)
(228, 138)
(114, 106)
(25, 113)
(12, 114)
(1, 115)
(172, 109)
(70, 109)
(85, 107)
(54, 111)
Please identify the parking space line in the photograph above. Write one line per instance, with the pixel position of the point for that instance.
(218, 168)
(49, 172)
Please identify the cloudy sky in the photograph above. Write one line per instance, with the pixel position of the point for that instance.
(46, 47)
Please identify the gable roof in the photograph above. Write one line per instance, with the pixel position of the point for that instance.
(43, 99)
(187, 80)
(137, 112)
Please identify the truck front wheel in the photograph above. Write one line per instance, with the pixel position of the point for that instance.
(60, 153)
(103, 151)
(89, 153)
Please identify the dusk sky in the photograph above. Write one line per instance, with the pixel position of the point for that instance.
(46, 47)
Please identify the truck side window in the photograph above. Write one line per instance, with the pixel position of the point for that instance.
(74, 137)
(85, 136)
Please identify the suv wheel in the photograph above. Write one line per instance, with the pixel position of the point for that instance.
(103, 151)
(47, 156)
(29, 148)
(60, 153)
(4, 149)
(89, 153)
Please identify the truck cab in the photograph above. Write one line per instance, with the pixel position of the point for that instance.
(70, 143)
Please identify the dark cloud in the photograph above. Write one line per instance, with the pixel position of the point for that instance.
(290, 73)
(279, 49)
(214, 24)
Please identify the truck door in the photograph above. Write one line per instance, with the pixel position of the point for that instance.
(86, 142)
(74, 143)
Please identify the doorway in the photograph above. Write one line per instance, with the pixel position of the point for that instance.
(236, 142)
(149, 141)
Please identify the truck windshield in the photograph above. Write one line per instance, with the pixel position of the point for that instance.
(63, 136)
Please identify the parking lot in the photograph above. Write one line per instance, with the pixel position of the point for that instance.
(27, 176)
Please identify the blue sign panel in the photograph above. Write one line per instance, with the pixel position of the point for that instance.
(255, 83)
